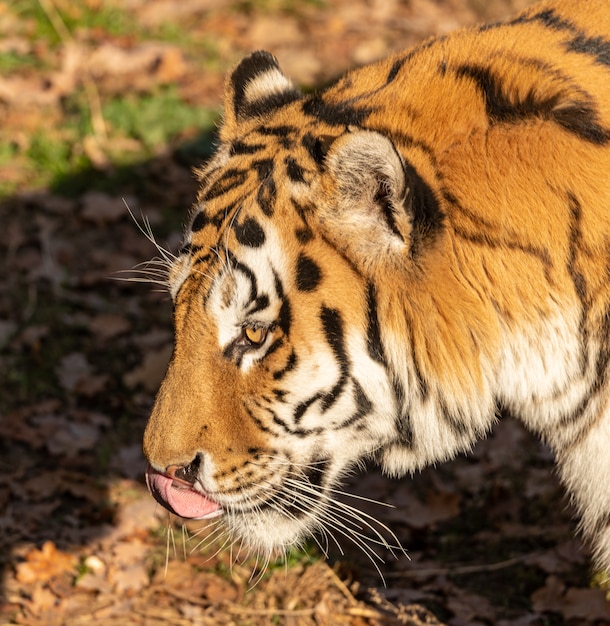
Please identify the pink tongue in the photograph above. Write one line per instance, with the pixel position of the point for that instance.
(179, 499)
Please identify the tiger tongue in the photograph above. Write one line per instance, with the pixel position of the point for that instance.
(180, 499)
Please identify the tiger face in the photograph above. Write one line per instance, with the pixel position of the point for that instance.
(276, 386)
(376, 270)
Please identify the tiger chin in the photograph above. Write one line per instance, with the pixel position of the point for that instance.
(377, 270)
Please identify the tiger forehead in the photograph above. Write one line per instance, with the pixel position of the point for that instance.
(274, 151)
(253, 178)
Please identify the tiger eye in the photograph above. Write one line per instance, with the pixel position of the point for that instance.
(255, 336)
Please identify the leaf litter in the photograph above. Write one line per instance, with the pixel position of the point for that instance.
(489, 536)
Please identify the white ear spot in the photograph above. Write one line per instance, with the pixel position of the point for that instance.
(268, 84)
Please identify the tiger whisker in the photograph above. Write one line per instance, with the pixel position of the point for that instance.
(353, 516)
(147, 231)
(337, 525)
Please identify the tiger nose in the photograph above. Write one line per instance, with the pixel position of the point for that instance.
(186, 473)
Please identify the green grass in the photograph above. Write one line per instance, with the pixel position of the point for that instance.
(14, 61)
(155, 119)
(139, 125)
(110, 19)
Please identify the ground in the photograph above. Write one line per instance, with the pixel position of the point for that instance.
(107, 105)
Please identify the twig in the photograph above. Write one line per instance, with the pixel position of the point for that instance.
(464, 569)
(93, 97)
(244, 610)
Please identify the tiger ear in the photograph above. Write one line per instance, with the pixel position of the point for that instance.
(378, 209)
(255, 87)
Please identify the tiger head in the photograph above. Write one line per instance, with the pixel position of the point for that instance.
(279, 380)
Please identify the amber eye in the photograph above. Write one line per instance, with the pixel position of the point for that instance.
(255, 335)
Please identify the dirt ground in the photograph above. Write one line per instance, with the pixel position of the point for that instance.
(489, 538)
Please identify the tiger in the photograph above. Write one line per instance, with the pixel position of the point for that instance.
(381, 269)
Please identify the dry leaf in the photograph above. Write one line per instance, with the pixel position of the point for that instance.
(131, 578)
(109, 325)
(42, 565)
(100, 208)
(585, 604)
(150, 373)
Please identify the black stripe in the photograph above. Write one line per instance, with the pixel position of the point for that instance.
(276, 131)
(302, 407)
(225, 213)
(335, 113)
(201, 221)
(248, 273)
(423, 205)
(249, 233)
(597, 47)
(276, 345)
(295, 172)
(270, 103)
(577, 117)
(230, 179)
(363, 407)
(317, 147)
(304, 235)
(580, 286)
(266, 196)
(314, 473)
(290, 365)
(264, 168)
(332, 324)
(373, 335)
(402, 421)
(259, 423)
(261, 302)
(308, 274)
(484, 239)
(396, 67)
(284, 319)
(239, 147)
(457, 422)
(547, 18)
(499, 106)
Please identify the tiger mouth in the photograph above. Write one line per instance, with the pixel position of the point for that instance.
(179, 496)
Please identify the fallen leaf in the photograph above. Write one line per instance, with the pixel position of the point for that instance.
(73, 438)
(585, 603)
(571, 602)
(109, 325)
(131, 578)
(100, 208)
(42, 565)
(42, 599)
(150, 373)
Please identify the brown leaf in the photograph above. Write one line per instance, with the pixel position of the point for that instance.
(131, 578)
(571, 603)
(109, 325)
(100, 208)
(42, 565)
(437, 507)
(585, 603)
(150, 373)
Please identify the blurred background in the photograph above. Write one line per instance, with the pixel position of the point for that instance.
(105, 108)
